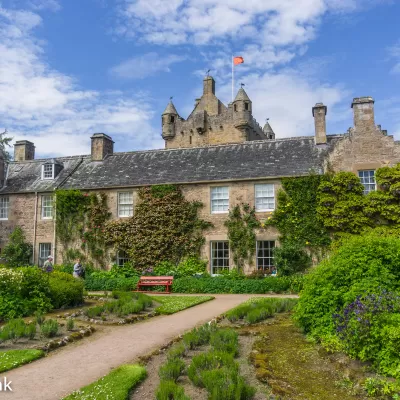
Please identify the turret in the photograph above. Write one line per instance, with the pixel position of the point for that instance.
(242, 109)
(168, 120)
(268, 131)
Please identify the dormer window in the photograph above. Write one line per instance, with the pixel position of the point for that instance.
(48, 171)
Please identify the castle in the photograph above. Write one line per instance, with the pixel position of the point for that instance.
(219, 155)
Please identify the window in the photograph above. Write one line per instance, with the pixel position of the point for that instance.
(367, 178)
(219, 257)
(246, 106)
(48, 171)
(44, 252)
(125, 204)
(47, 207)
(265, 197)
(122, 258)
(4, 203)
(172, 119)
(219, 199)
(265, 257)
(235, 107)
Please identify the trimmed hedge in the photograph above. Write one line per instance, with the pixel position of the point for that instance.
(292, 284)
(105, 281)
(65, 291)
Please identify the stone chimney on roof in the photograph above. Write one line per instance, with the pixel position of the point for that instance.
(24, 150)
(102, 146)
(208, 85)
(363, 110)
(319, 113)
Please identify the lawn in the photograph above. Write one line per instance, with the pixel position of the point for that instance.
(14, 358)
(116, 385)
(173, 304)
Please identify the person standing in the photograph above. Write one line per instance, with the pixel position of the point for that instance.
(48, 265)
(78, 269)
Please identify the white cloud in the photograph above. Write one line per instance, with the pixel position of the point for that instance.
(394, 54)
(145, 65)
(43, 105)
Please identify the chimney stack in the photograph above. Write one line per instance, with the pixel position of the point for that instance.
(102, 146)
(363, 109)
(208, 85)
(24, 150)
(319, 112)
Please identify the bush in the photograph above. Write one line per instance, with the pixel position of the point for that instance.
(94, 311)
(291, 258)
(100, 281)
(223, 285)
(188, 267)
(172, 370)
(198, 336)
(70, 324)
(65, 291)
(169, 390)
(125, 271)
(17, 329)
(49, 328)
(363, 265)
(177, 351)
(17, 252)
(22, 292)
(225, 340)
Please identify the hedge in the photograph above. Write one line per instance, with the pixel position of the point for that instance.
(65, 291)
(105, 281)
(292, 284)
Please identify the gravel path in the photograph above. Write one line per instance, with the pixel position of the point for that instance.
(59, 374)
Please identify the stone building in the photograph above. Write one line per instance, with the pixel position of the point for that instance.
(219, 155)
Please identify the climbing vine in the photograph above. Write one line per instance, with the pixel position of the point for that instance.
(165, 227)
(241, 224)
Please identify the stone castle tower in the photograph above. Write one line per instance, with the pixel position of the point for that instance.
(212, 123)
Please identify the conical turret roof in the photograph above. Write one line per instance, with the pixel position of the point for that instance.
(242, 95)
(170, 109)
(267, 128)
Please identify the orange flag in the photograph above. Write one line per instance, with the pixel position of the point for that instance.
(238, 60)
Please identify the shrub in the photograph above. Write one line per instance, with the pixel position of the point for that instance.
(209, 361)
(363, 265)
(172, 370)
(70, 324)
(125, 271)
(223, 285)
(291, 258)
(95, 311)
(177, 351)
(49, 328)
(17, 252)
(197, 336)
(22, 292)
(39, 317)
(225, 340)
(17, 329)
(65, 291)
(169, 390)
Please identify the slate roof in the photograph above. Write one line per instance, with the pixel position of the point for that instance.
(250, 160)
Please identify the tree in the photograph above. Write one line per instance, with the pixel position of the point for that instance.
(17, 252)
(5, 142)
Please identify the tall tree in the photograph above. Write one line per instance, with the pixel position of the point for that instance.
(4, 143)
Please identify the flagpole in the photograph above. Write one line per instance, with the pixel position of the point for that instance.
(232, 79)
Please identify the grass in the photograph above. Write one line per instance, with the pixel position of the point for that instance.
(116, 385)
(14, 358)
(173, 304)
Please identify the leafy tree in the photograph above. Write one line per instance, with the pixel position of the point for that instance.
(17, 252)
(291, 258)
(4, 143)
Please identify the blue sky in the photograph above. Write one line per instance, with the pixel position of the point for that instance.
(71, 68)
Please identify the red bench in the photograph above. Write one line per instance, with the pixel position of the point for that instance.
(155, 281)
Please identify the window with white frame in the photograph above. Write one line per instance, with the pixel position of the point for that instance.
(4, 206)
(125, 204)
(220, 199)
(47, 207)
(48, 171)
(219, 257)
(264, 197)
(122, 258)
(367, 179)
(44, 252)
(265, 254)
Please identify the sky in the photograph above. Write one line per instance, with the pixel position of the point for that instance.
(71, 68)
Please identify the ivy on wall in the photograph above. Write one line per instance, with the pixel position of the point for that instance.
(165, 227)
(241, 224)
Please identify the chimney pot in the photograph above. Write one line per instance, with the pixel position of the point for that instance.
(24, 150)
(102, 146)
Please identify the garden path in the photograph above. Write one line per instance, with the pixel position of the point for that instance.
(59, 374)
